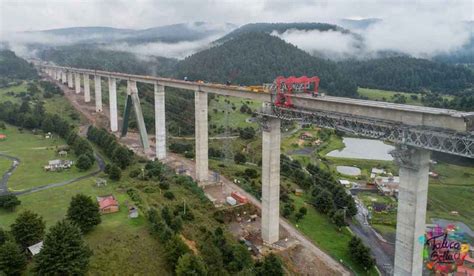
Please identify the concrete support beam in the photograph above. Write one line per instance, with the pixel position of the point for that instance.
(70, 81)
(77, 82)
(160, 122)
(98, 93)
(201, 129)
(133, 91)
(113, 104)
(87, 88)
(411, 213)
(271, 181)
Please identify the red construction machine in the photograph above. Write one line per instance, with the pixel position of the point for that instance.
(284, 87)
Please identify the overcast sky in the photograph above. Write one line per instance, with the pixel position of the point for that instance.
(23, 15)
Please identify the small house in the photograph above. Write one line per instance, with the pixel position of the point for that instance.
(108, 204)
(433, 174)
(58, 165)
(345, 183)
(62, 153)
(299, 192)
(388, 185)
(100, 182)
(3, 137)
(35, 248)
(306, 136)
(133, 212)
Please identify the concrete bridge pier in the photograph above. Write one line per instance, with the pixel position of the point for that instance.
(201, 130)
(160, 122)
(70, 82)
(63, 77)
(98, 93)
(132, 90)
(411, 213)
(77, 82)
(113, 104)
(87, 88)
(57, 75)
(271, 180)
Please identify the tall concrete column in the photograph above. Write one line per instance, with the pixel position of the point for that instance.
(58, 75)
(77, 84)
(160, 122)
(113, 104)
(132, 90)
(98, 93)
(70, 82)
(87, 89)
(271, 181)
(202, 162)
(63, 77)
(411, 213)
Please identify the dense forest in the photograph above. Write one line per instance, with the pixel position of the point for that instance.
(256, 58)
(280, 28)
(14, 68)
(94, 58)
(410, 75)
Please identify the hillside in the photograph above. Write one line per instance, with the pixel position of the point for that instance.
(93, 58)
(409, 75)
(256, 58)
(280, 28)
(13, 67)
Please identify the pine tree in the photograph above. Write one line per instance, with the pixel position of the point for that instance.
(190, 264)
(64, 251)
(28, 229)
(271, 266)
(84, 212)
(12, 259)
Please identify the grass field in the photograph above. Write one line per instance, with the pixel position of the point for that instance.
(326, 235)
(218, 107)
(34, 152)
(16, 89)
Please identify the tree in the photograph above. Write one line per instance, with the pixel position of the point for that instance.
(303, 210)
(339, 219)
(28, 229)
(84, 212)
(361, 253)
(9, 202)
(114, 172)
(12, 259)
(240, 158)
(247, 133)
(121, 156)
(83, 163)
(64, 251)
(323, 201)
(241, 258)
(251, 173)
(190, 264)
(175, 248)
(271, 266)
(3, 236)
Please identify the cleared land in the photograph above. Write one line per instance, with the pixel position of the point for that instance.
(34, 152)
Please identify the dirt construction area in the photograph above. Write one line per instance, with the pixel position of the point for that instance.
(299, 253)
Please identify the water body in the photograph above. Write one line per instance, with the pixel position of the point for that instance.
(352, 171)
(359, 148)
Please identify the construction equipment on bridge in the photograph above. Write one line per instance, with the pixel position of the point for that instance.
(284, 87)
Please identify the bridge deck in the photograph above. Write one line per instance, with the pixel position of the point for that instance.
(404, 114)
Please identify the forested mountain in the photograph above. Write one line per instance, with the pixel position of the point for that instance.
(280, 28)
(256, 58)
(13, 67)
(409, 74)
(93, 58)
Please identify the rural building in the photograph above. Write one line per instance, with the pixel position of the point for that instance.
(108, 204)
(35, 248)
(3, 137)
(388, 185)
(376, 172)
(58, 165)
(299, 192)
(133, 212)
(62, 153)
(345, 183)
(306, 136)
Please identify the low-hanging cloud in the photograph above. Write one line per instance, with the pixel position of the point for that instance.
(332, 44)
(177, 50)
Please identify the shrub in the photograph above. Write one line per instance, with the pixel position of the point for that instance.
(169, 195)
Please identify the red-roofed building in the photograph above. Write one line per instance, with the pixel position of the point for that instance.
(108, 204)
(3, 137)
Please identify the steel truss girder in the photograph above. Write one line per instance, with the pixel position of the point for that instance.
(441, 140)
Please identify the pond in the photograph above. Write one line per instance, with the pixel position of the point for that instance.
(352, 171)
(359, 148)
